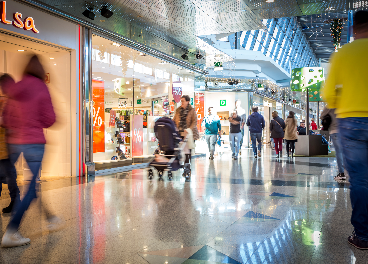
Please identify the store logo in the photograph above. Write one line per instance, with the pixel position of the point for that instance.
(222, 102)
(27, 24)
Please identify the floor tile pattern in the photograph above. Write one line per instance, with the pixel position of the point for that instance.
(264, 210)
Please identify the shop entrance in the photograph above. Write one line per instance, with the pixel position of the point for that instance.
(15, 51)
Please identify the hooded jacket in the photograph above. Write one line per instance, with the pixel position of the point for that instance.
(28, 111)
(255, 123)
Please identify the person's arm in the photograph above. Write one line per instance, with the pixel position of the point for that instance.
(46, 110)
(271, 125)
(233, 121)
(248, 121)
(328, 92)
(219, 127)
(263, 123)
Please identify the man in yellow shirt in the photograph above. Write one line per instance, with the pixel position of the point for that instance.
(346, 89)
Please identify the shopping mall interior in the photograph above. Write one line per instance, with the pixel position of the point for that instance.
(199, 131)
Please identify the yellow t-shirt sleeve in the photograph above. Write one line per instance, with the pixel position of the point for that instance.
(329, 90)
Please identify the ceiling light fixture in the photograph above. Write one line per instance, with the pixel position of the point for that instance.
(89, 14)
(20, 50)
(185, 56)
(106, 12)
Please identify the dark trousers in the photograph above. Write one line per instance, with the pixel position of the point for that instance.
(278, 145)
(354, 142)
(290, 146)
(8, 175)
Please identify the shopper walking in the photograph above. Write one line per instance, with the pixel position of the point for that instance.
(28, 111)
(277, 127)
(256, 124)
(291, 135)
(185, 117)
(7, 169)
(212, 125)
(335, 137)
(348, 72)
(235, 134)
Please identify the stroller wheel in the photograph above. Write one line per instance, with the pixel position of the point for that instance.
(169, 174)
(150, 174)
(160, 173)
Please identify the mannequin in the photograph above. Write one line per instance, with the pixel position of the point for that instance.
(241, 113)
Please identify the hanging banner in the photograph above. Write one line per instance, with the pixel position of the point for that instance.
(199, 107)
(98, 111)
(112, 118)
(137, 133)
(177, 91)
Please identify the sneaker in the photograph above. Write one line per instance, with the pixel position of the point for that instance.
(357, 242)
(235, 158)
(14, 239)
(340, 177)
(54, 223)
(259, 153)
(9, 208)
(255, 156)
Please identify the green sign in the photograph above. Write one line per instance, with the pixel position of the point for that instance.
(222, 102)
(139, 101)
(218, 64)
(260, 85)
(191, 101)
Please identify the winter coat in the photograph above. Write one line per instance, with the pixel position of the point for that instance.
(277, 126)
(3, 145)
(255, 123)
(314, 125)
(191, 121)
(290, 130)
(28, 111)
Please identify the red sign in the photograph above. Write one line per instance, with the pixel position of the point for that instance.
(177, 91)
(199, 107)
(112, 118)
(27, 24)
(98, 111)
(137, 135)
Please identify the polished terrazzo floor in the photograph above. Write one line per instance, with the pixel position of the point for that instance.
(244, 211)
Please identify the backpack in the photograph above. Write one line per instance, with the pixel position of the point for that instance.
(326, 122)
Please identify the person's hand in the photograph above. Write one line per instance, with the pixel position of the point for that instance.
(219, 133)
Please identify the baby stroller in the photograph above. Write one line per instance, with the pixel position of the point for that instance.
(168, 155)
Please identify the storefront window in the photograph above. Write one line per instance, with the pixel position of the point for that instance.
(130, 91)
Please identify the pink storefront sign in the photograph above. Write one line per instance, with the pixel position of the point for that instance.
(137, 136)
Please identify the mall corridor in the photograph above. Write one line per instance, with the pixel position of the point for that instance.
(245, 211)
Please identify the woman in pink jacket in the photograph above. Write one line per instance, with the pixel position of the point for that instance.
(28, 111)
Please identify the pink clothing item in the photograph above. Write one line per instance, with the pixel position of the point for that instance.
(28, 111)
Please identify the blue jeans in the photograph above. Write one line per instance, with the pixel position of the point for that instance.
(354, 141)
(256, 137)
(9, 176)
(211, 142)
(33, 154)
(235, 139)
(339, 154)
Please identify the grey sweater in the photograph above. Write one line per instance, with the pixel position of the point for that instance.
(333, 129)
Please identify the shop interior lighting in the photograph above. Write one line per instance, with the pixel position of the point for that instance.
(20, 50)
(51, 58)
(89, 14)
(106, 12)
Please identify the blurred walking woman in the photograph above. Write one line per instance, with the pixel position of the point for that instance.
(291, 135)
(29, 110)
(185, 117)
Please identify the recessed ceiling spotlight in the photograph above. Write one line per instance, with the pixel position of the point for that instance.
(20, 50)
(89, 14)
(106, 12)
(51, 58)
